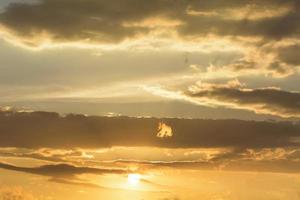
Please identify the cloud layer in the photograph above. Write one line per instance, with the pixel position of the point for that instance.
(116, 20)
(265, 32)
(44, 129)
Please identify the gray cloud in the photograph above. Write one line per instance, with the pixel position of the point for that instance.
(261, 100)
(65, 173)
(79, 20)
(62, 170)
(104, 21)
(289, 54)
(98, 22)
(44, 129)
(269, 28)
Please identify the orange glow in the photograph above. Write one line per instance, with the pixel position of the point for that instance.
(164, 130)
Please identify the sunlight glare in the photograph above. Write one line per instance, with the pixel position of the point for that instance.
(133, 179)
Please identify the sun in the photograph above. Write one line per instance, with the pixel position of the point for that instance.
(133, 179)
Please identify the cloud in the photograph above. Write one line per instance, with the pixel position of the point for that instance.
(176, 25)
(99, 21)
(273, 66)
(45, 129)
(116, 20)
(288, 54)
(261, 100)
(62, 170)
(277, 160)
(270, 28)
(68, 174)
(274, 160)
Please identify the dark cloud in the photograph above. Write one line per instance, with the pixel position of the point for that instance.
(276, 68)
(290, 54)
(79, 20)
(62, 170)
(109, 21)
(270, 28)
(280, 69)
(262, 100)
(44, 129)
(67, 174)
(100, 21)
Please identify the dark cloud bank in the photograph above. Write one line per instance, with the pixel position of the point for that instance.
(65, 173)
(45, 129)
(102, 22)
(261, 100)
(105, 21)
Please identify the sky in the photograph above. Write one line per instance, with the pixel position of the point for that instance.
(126, 99)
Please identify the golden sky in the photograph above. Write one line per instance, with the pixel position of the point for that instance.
(160, 99)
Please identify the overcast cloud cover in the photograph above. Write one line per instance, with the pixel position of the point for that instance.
(207, 90)
(66, 52)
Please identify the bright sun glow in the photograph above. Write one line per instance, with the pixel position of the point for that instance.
(133, 179)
